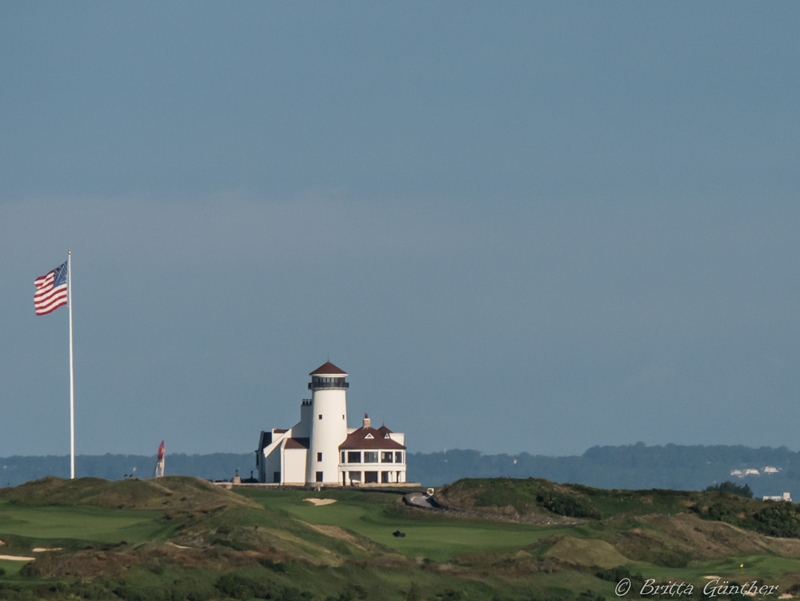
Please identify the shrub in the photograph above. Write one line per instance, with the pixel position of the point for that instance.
(568, 505)
(617, 574)
(239, 587)
(780, 519)
(731, 488)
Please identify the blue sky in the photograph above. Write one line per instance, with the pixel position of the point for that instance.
(520, 227)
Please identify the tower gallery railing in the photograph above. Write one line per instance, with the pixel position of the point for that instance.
(317, 383)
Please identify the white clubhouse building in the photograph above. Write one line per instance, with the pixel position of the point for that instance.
(321, 449)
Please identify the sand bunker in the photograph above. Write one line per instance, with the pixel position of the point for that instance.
(711, 577)
(45, 549)
(16, 558)
(319, 502)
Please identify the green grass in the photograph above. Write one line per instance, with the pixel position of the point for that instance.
(80, 523)
(637, 502)
(11, 568)
(755, 566)
(372, 515)
(266, 538)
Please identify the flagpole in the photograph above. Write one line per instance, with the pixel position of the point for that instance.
(71, 372)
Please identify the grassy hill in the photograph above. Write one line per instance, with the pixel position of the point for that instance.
(171, 492)
(534, 497)
(183, 538)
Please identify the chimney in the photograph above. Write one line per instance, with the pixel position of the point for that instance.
(366, 421)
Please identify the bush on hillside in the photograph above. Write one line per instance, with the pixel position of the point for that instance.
(616, 574)
(781, 519)
(731, 488)
(723, 513)
(567, 505)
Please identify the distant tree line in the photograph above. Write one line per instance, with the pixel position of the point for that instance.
(635, 466)
(632, 466)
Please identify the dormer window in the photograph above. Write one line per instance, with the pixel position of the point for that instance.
(369, 437)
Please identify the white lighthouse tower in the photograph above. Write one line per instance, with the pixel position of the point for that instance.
(320, 450)
(328, 423)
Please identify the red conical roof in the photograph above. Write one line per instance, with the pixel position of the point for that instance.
(327, 368)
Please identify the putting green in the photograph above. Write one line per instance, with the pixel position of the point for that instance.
(81, 523)
(438, 539)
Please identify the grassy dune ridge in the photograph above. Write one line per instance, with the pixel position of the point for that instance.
(537, 497)
(183, 538)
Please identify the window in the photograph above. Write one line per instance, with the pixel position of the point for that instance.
(319, 456)
(319, 416)
(355, 476)
(370, 456)
(398, 456)
(354, 457)
(342, 415)
(371, 477)
(343, 457)
(384, 477)
(276, 477)
(317, 382)
(319, 476)
(386, 457)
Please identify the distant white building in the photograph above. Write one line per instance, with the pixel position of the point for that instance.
(751, 471)
(745, 472)
(321, 449)
(785, 497)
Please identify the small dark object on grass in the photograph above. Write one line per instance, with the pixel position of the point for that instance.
(398, 534)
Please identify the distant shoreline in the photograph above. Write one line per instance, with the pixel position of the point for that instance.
(635, 466)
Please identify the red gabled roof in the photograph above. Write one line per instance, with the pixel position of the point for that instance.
(296, 443)
(327, 368)
(369, 438)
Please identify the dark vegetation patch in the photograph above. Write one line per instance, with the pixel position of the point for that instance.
(726, 502)
(237, 586)
(617, 574)
(771, 518)
(16, 545)
(731, 488)
(507, 496)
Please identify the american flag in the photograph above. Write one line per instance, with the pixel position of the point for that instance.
(51, 291)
